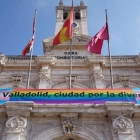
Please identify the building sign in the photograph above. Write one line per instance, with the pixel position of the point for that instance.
(74, 55)
(70, 96)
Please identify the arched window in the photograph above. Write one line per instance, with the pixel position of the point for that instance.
(77, 15)
(65, 14)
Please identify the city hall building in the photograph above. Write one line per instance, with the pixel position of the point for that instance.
(29, 121)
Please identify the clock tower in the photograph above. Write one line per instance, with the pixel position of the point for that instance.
(80, 17)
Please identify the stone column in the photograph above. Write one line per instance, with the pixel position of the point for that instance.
(45, 77)
(15, 128)
(98, 76)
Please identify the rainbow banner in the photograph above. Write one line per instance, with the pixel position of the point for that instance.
(70, 96)
(137, 94)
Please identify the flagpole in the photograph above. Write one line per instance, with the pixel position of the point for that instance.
(111, 75)
(70, 70)
(31, 52)
(29, 70)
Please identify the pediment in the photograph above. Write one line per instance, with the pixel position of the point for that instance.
(76, 39)
(81, 38)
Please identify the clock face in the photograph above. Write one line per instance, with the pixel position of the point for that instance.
(74, 25)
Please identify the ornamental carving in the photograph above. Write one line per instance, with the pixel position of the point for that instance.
(33, 83)
(3, 82)
(69, 123)
(137, 82)
(98, 75)
(48, 49)
(124, 79)
(86, 83)
(108, 82)
(3, 59)
(75, 33)
(16, 123)
(16, 80)
(122, 124)
(73, 78)
(44, 76)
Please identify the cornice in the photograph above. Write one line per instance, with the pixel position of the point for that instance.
(46, 60)
(19, 61)
(95, 59)
(116, 109)
(112, 109)
(37, 61)
(18, 108)
(123, 61)
(117, 61)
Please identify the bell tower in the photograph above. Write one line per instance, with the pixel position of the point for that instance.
(80, 17)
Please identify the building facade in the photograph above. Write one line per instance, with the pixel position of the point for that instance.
(29, 121)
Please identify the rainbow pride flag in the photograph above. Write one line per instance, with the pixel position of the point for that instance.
(70, 96)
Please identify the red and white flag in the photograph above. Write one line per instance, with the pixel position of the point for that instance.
(29, 46)
(95, 44)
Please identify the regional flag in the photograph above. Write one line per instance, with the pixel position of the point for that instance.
(95, 44)
(29, 46)
(65, 33)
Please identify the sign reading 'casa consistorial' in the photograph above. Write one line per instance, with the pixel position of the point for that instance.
(74, 55)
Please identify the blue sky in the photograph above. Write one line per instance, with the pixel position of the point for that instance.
(16, 17)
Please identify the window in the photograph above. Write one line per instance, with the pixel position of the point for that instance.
(77, 15)
(65, 14)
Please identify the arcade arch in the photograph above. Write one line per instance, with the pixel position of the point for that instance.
(56, 133)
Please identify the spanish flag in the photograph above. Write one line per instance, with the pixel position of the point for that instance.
(65, 33)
